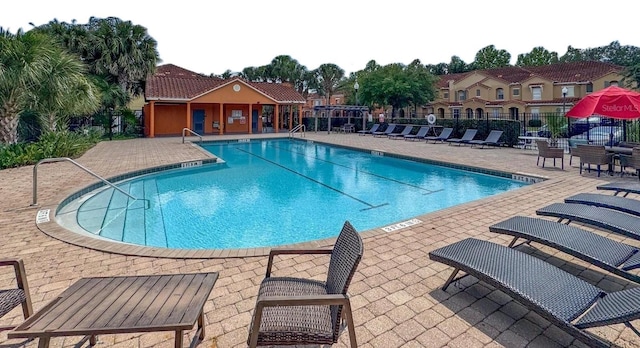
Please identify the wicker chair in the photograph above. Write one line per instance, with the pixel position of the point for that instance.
(297, 311)
(12, 298)
(573, 143)
(545, 152)
(631, 161)
(594, 154)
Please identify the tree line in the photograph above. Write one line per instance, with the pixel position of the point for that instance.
(398, 85)
(59, 70)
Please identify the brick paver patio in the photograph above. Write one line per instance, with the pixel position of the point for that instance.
(396, 293)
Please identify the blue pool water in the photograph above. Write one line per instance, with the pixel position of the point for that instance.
(277, 192)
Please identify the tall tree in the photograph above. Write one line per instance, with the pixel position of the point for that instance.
(457, 65)
(283, 68)
(64, 90)
(397, 85)
(329, 76)
(254, 74)
(489, 57)
(537, 57)
(573, 55)
(121, 51)
(438, 69)
(37, 74)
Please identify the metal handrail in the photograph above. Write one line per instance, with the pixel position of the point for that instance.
(297, 128)
(61, 159)
(192, 132)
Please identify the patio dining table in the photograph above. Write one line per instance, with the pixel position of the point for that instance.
(125, 304)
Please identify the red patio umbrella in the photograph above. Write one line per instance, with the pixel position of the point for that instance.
(613, 102)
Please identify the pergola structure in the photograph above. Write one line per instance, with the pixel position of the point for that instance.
(341, 108)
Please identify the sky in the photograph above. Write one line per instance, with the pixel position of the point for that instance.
(215, 36)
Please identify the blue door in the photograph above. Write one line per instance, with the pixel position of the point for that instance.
(254, 121)
(197, 121)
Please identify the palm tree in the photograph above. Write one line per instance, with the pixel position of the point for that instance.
(64, 90)
(122, 52)
(25, 60)
(329, 76)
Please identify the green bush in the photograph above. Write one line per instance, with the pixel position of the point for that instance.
(50, 145)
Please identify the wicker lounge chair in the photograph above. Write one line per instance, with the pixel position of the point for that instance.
(295, 311)
(493, 139)
(442, 137)
(560, 297)
(615, 257)
(617, 187)
(606, 219)
(390, 128)
(371, 130)
(468, 135)
(593, 154)
(545, 152)
(12, 298)
(625, 205)
(422, 132)
(405, 131)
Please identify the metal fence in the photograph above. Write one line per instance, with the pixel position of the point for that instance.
(597, 130)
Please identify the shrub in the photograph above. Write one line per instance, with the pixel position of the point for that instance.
(50, 145)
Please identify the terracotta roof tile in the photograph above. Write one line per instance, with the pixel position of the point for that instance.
(171, 82)
(575, 71)
(510, 74)
(560, 72)
(443, 82)
(279, 92)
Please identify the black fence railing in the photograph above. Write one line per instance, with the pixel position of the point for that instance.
(597, 130)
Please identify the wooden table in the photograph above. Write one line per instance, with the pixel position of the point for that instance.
(113, 305)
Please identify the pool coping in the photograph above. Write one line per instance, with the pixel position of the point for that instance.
(51, 228)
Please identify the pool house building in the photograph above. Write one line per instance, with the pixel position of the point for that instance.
(176, 98)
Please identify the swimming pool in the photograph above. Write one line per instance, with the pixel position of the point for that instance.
(274, 192)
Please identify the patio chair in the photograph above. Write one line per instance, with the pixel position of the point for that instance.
(573, 143)
(347, 128)
(562, 298)
(12, 298)
(390, 128)
(603, 218)
(630, 161)
(405, 131)
(422, 132)
(493, 139)
(625, 205)
(296, 311)
(442, 137)
(615, 257)
(468, 135)
(594, 154)
(618, 187)
(373, 128)
(544, 152)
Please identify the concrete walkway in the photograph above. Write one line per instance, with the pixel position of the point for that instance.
(396, 293)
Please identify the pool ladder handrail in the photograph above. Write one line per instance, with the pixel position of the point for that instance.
(299, 128)
(192, 132)
(67, 159)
